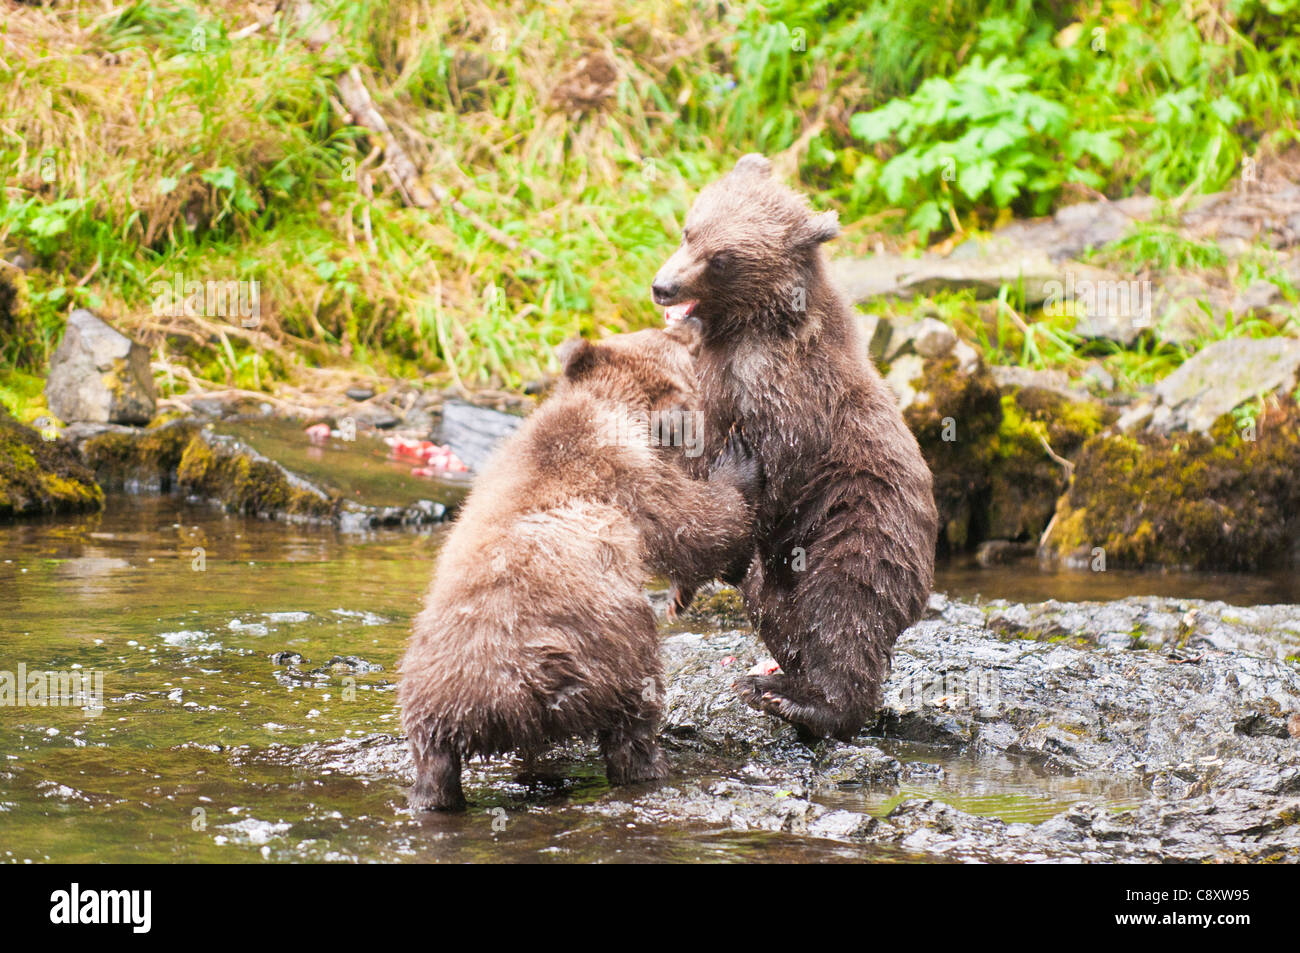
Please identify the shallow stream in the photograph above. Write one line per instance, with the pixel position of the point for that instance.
(212, 745)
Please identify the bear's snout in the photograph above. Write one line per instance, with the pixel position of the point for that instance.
(665, 290)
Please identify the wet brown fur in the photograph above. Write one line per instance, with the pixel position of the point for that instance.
(536, 626)
(845, 482)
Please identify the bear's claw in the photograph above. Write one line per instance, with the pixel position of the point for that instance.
(777, 695)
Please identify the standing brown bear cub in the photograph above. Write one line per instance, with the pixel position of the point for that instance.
(536, 626)
(846, 523)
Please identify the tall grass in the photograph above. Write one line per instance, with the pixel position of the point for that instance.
(158, 138)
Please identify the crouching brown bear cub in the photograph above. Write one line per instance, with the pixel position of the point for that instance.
(846, 523)
(536, 626)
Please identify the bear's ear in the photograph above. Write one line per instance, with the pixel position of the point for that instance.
(818, 229)
(755, 163)
(577, 357)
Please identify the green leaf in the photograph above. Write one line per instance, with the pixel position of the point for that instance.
(48, 224)
(927, 218)
(878, 125)
(223, 178)
(1227, 111)
(975, 179)
(897, 174)
(1007, 186)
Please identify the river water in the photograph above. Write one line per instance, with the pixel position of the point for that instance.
(208, 744)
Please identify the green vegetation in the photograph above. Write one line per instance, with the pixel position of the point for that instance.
(188, 138)
(1161, 248)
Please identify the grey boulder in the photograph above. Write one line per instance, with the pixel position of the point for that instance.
(99, 375)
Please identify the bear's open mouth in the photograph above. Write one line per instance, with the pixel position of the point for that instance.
(677, 313)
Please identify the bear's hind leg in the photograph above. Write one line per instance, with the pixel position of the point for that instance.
(437, 779)
(632, 754)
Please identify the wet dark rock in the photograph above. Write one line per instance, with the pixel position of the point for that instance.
(376, 418)
(998, 552)
(851, 765)
(226, 471)
(1196, 733)
(99, 375)
(352, 517)
(40, 473)
(350, 665)
(1234, 826)
(133, 459)
(360, 393)
(955, 416)
(287, 658)
(1227, 500)
(1153, 623)
(473, 432)
(182, 455)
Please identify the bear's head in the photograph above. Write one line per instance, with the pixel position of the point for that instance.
(647, 370)
(747, 249)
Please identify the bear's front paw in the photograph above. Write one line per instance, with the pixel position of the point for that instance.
(778, 695)
(753, 688)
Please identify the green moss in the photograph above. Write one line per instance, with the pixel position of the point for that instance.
(724, 606)
(22, 394)
(955, 419)
(1026, 482)
(39, 476)
(1187, 500)
(246, 483)
(146, 457)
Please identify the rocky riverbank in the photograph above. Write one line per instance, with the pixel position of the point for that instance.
(1193, 707)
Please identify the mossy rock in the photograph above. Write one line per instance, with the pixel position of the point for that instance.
(40, 477)
(724, 606)
(139, 460)
(224, 470)
(1186, 500)
(956, 418)
(1026, 482)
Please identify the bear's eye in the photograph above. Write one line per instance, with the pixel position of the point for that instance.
(719, 263)
(686, 235)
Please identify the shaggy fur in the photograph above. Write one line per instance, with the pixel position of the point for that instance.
(536, 626)
(846, 523)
